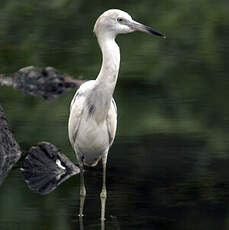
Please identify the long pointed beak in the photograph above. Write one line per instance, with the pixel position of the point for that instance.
(140, 27)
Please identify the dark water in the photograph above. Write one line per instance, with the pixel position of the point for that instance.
(168, 166)
(154, 182)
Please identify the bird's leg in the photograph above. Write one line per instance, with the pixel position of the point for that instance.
(102, 225)
(103, 194)
(82, 190)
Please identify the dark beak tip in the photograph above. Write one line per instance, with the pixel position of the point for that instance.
(154, 32)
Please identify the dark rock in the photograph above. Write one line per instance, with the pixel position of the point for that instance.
(10, 151)
(48, 83)
(45, 168)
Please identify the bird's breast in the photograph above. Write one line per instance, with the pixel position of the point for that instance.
(92, 137)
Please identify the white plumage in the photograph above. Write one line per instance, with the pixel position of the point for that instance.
(91, 131)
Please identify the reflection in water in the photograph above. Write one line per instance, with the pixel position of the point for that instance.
(81, 223)
(111, 224)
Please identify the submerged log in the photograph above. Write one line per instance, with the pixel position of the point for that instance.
(47, 83)
(45, 168)
(10, 151)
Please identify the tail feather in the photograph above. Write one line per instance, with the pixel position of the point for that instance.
(45, 168)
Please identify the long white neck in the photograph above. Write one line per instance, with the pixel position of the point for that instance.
(101, 95)
(108, 74)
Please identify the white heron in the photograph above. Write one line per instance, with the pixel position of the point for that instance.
(93, 113)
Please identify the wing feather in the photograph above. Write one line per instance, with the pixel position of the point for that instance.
(76, 110)
(112, 121)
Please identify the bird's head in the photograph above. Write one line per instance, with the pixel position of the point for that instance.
(113, 22)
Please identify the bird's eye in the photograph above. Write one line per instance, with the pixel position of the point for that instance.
(120, 19)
